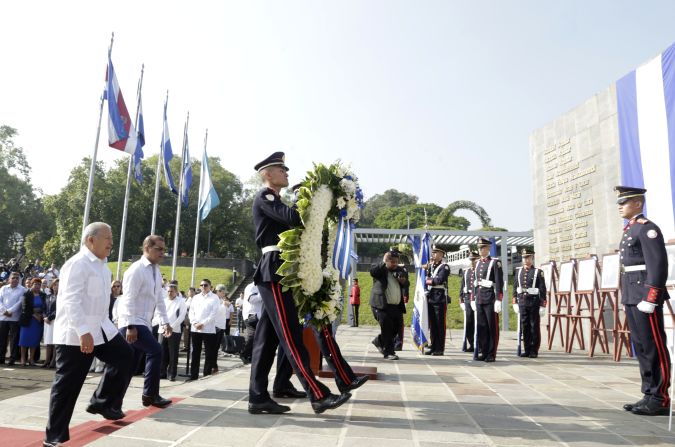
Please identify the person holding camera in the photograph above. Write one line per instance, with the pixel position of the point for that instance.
(437, 300)
(386, 300)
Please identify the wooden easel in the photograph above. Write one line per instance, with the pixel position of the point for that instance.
(561, 308)
(551, 288)
(607, 298)
(590, 297)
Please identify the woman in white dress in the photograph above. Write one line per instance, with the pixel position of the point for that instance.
(50, 315)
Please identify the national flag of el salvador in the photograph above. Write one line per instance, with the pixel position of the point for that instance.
(138, 154)
(646, 116)
(187, 172)
(121, 133)
(167, 154)
(420, 318)
(207, 193)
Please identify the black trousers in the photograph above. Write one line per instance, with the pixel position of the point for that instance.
(210, 353)
(279, 326)
(649, 339)
(9, 333)
(72, 367)
(170, 347)
(220, 333)
(437, 326)
(250, 323)
(390, 320)
(228, 324)
(344, 375)
(529, 327)
(487, 322)
(469, 327)
(355, 314)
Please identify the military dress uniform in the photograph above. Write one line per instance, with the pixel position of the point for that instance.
(279, 324)
(489, 284)
(644, 270)
(437, 304)
(529, 293)
(465, 297)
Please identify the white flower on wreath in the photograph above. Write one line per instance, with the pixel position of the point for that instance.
(348, 186)
(310, 271)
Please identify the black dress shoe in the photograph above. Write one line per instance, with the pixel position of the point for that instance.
(156, 401)
(291, 393)
(355, 384)
(489, 359)
(111, 414)
(629, 407)
(436, 353)
(480, 357)
(524, 354)
(269, 407)
(51, 444)
(172, 378)
(428, 352)
(534, 355)
(330, 402)
(651, 408)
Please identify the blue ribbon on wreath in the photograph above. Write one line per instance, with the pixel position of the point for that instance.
(342, 250)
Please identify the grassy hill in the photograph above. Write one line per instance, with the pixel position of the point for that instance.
(184, 274)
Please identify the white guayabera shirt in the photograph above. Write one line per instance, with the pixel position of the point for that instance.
(143, 292)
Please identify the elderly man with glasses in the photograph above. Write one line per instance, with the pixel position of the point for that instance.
(203, 311)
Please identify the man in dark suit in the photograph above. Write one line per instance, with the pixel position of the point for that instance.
(386, 300)
(644, 270)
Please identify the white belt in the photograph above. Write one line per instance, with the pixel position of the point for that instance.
(270, 248)
(532, 291)
(438, 287)
(633, 268)
(485, 283)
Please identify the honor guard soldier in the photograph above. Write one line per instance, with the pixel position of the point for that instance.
(278, 323)
(644, 270)
(437, 301)
(488, 296)
(529, 301)
(465, 297)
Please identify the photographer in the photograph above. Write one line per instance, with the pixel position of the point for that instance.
(387, 300)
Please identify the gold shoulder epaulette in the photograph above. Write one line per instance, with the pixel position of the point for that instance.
(642, 220)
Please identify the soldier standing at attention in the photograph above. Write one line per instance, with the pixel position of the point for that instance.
(488, 296)
(465, 297)
(529, 300)
(437, 300)
(278, 325)
(644, 270)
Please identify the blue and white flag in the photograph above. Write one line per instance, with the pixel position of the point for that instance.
(187, 172)
(121, 133)
(207, 193)
(646, 109)
(342, 250)
(167, 154)
(140, 142)
(420, 318)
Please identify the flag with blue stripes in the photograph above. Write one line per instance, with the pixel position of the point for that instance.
(208, 196)
(121, 133)
(420, 319)
(167, 153)
(343, 248)
(140, 142)
(646, 117)
(187, 172)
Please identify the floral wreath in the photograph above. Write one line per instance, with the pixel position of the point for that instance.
(317, 253)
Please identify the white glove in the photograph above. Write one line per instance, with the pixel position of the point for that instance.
(462, 306)
(542, 311)
(646, 307)
(473, 306)
(516, 309)
(498, 307)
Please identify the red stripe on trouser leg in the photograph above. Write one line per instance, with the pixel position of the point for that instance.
(336, 357)
(663, 364)
(281, 310)
(494, 354)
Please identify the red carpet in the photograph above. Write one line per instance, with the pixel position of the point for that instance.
(79, 434)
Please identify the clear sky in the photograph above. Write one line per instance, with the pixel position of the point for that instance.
(433, 98)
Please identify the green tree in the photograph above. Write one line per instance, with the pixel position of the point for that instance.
(391, 198)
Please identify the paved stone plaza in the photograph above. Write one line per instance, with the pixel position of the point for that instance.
(557, 399)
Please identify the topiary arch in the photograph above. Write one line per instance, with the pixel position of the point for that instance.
(468, 205)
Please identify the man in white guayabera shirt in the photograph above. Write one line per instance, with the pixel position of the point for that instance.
(82, 331)
(10, 309)
(142, 285)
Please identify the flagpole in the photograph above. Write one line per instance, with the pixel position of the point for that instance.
(123, 232)
(157, 172)
(180, 201)
(92, 168)
(199, 215)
